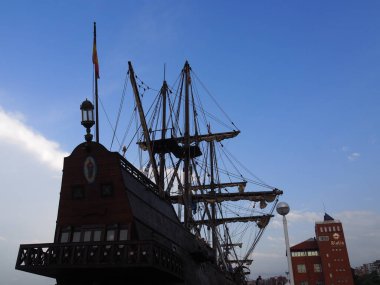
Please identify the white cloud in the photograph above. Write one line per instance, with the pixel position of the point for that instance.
(14, 131)
(345, 148)
(353, 156)
(29, 193)
(303, 216)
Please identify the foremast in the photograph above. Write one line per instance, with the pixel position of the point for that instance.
(143, 122)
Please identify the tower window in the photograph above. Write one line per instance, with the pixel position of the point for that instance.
(64, 237)
(77, 192)
(106, 190)
(76, 236)
(323, 238)
(97, 235)
(123, 235)
(301, 268)
(111, 235)
(87, 236)
(317, 267)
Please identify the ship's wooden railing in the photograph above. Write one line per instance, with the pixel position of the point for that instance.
(127, 166)
(36, 257)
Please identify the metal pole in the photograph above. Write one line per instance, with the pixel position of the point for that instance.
(288, 250)
(96, 89)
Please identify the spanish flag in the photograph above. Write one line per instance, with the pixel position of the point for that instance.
(95, 55)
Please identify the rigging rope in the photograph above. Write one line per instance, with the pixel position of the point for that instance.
(120, 108)
(212, 97)
(108, 119)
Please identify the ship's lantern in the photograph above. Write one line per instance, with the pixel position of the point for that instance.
(87, 110)
(87, 114)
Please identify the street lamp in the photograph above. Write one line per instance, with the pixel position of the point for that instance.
(87, 110)
(283, 209)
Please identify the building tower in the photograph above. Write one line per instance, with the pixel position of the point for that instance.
(333, 252)
(322, 260)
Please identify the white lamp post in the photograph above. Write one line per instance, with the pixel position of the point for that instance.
(283, 209)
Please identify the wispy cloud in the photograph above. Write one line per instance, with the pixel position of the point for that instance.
(351, 155)
(13, 130)
(345, 148)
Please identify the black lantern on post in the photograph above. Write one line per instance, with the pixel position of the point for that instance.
(87, 110)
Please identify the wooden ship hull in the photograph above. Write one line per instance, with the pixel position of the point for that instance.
(116, 229)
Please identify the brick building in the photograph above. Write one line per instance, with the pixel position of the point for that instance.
(322, 260)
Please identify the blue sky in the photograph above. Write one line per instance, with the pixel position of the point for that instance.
(299, 78)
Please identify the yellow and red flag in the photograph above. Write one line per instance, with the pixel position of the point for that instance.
(95, 56)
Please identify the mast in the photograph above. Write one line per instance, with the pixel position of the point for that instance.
(202, 179)
(164, 90)
(143, 122)
(187, 193)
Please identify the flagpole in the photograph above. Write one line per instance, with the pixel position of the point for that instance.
(96, 74)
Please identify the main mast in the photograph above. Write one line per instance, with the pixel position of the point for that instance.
(164, 90)
(187, 193)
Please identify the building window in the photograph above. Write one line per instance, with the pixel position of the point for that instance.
(325, 229)
(317, 267)
(111, 235)
(123, 235)
(321, 229)
(64, 237)
(338, 228)
(77, 192)
(106, 190)
(87, 236)
(334, 228)
(304, 283)
(97, 235)
(301, 268)
(323, 238)
(76, 236)
(298, 253)
(92, 235)
(329, 229)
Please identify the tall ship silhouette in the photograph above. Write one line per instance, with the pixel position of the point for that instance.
(181, 216)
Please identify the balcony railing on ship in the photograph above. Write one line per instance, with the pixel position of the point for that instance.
(43, 258)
